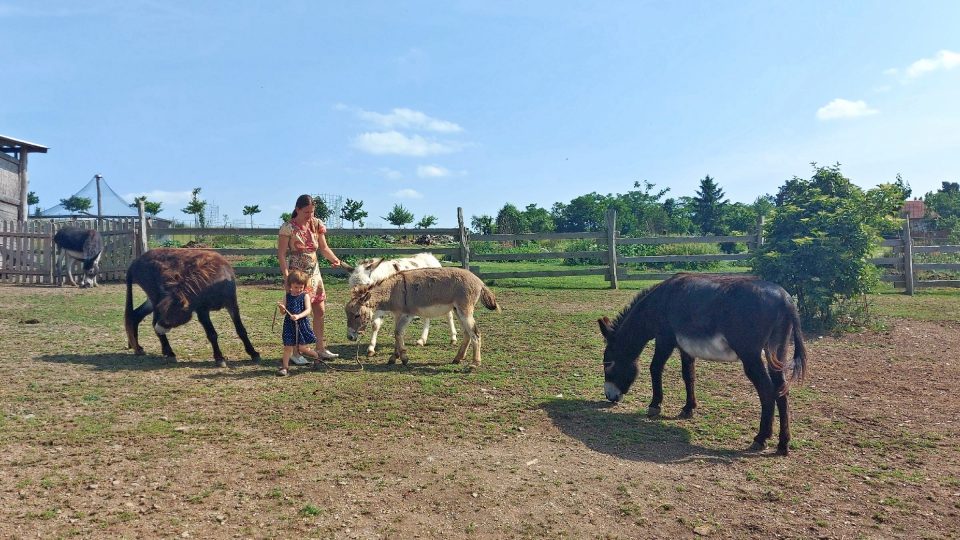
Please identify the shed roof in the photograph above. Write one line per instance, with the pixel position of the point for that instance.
(9, 144)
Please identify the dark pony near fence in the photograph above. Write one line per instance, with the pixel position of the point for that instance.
(179, 282)
(721, 318)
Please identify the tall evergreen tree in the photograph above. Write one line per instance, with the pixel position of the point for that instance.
(709, 206)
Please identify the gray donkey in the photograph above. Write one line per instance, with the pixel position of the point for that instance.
(425, 293)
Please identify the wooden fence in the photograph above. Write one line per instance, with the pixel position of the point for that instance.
(28, 256)
(27, 251)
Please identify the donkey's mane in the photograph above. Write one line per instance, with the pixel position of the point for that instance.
(637, 300)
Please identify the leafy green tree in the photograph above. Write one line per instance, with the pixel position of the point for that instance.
(320, 209)
(149, 207)
(353, 211)
(709, 207)
(483, 224)
(196, 207)
(250, 211)
(285, 217)
(945, 202)
(76, 204)
(426, 222)
(679, 215)
(586, 213)
(399, 216)
(510, 220)
(538, 220)
(819, 239)
(33, 200)
(639, 211)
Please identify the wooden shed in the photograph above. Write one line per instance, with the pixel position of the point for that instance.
(13, 177)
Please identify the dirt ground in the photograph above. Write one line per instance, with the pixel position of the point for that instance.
(876, 425)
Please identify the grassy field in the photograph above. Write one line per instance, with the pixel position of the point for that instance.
(97, 442)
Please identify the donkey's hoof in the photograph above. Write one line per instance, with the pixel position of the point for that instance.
(392, 360)
(783, 451)
(421, 342)
(757, 446)
(653, 412)
(371, 352)
(455, 361)
(685, 414)
(139, 351)
(453, 341)
(221, 363)
(404, 360)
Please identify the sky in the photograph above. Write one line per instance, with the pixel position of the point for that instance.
(474, 104)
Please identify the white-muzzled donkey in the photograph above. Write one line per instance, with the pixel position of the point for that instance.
(428, 292)
(373, 271)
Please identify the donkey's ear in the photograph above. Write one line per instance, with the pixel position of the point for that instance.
(605, 327)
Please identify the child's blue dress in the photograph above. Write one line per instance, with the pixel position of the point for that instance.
(299, 333)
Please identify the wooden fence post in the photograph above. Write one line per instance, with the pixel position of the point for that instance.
(141, 247)
(612, 246)
(464, 241)
(907, 255)
(51, 252)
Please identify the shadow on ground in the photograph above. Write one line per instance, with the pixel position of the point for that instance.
(129, 361)
(631, 436)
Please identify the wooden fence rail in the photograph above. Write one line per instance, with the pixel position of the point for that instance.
(27, 251)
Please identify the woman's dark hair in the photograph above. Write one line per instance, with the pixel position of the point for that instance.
(303, 200)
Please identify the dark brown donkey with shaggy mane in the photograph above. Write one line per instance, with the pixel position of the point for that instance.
(179, 282)
(721, 318)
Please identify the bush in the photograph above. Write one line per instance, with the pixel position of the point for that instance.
(819, 241)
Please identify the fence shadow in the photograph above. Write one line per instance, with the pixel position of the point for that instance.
(630, 436)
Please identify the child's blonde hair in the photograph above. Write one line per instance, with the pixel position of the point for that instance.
(297, 277)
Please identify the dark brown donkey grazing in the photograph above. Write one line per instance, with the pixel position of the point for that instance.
(722, 318)
(179, 282)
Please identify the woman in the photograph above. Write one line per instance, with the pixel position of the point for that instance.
(297, 246)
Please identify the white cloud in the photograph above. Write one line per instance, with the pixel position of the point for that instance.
(408, 194)
(390, 174)
(432, 171)
(842, 108)
(394, 142)
(409, 119)
(943, 60)
(168, 198)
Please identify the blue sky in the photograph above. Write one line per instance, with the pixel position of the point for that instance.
(436, 105)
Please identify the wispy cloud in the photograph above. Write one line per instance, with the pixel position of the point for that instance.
(843, 108)
(394, 142)
(402, 118)
(942, 61)
(407, 194)
(389, 173)
(168, 198)
(432, 171)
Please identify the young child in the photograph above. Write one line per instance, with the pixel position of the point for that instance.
(297, 332)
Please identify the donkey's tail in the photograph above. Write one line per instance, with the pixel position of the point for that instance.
(799, 350)
(489, 299)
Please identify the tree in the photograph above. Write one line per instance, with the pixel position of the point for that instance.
(819, 240)
(426, 222)
(353, 211)
(538, 219)
(32, 199)
(285, 217)
(399, 216)
(945, 202)
(709, 207)
(196, 207)
(76, 204)
(511, 221)
(152, 208)
(585, 213)
(250, 211)
(483, 224)
(320, 209)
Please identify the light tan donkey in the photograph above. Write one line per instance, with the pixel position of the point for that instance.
(424, 293)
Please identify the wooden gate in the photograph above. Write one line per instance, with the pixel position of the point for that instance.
(28, 254)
